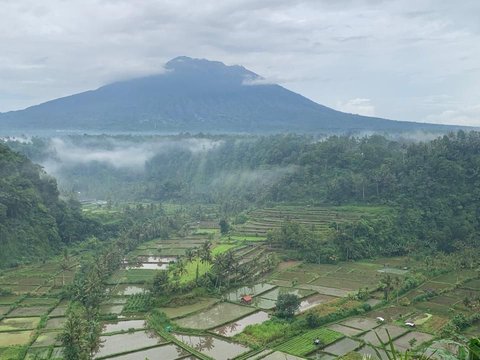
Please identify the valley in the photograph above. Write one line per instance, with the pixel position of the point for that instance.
(340, 303)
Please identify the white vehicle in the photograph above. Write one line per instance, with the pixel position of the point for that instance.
(409, 323)
(380, 319)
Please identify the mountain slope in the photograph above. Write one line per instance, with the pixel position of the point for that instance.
(34, 222)
(193, 95)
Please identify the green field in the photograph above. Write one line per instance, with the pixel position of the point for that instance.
(191, 270)
(304, 344)
(317, 218)
(220, 249)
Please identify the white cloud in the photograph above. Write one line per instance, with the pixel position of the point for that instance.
(394, 51)
(468, 115)
(357, 106)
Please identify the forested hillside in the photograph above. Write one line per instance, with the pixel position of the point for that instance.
(432, 187)
(34, 222)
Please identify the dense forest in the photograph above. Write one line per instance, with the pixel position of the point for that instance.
(431, 187)
(34, 221)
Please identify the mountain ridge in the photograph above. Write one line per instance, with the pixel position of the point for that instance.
(196, 95)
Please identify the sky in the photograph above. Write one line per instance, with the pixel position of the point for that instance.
(415, 60)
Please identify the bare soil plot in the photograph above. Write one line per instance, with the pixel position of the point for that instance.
(21, 289)
(433, 308)
(414, 337)
(444, 300)
(35, 301)
(215, 316)
(15, 338)
(393, 330)
(236, 327)
(55, 323)
(345, 330)
(472, 285)
(247, 290)
(4, 309)
(434, 324)
(9, 299)
(454, 277)
(179, 311)
(325, 290)
(47, 339)
(211, 346)
(361, 323)
(273, 294)
(342, 347)
(60, 310)
(278, 355)
(369, 351)
(19, 323)
(38, 354)
(392, 313)
(313, 301)
(29, 311)
(298, 276)
(334, 282)
(115, 344)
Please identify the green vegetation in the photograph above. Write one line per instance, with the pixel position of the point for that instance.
(304, 344)
(358, 235)
(265, 333)
(286, 305)
(34, 222)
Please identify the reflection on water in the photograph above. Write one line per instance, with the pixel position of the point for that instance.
(247, 290)
(123, 326)
(236, 327)
(156, 259)
(213, 347)
(214, 316)
(115, 344)
(166, 352)
(313, 301)
(129, 289)
(148, 266)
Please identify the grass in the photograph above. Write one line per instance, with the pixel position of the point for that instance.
(19, 324)
(222, 248)
(15, 338)
(261, 334)
(205, 231)
(138, 303)
(191, 270)
(304, 344)
(245, 238)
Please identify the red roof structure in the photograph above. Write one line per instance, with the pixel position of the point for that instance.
(246, 299)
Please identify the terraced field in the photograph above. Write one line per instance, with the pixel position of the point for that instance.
(317, 218)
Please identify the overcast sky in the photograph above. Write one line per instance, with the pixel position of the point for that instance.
(406, 59)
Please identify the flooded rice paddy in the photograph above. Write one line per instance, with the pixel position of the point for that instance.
(213, 347)
(115, 344)
(247, 290)
(165, 352)
(236, 327)
(123, 326)
(342, 346)
(215, 316)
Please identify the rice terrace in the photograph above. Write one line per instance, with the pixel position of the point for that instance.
(345, 307)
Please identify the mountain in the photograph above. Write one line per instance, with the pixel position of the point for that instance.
(194, 95)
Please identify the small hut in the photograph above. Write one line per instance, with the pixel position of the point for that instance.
(246, 299)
